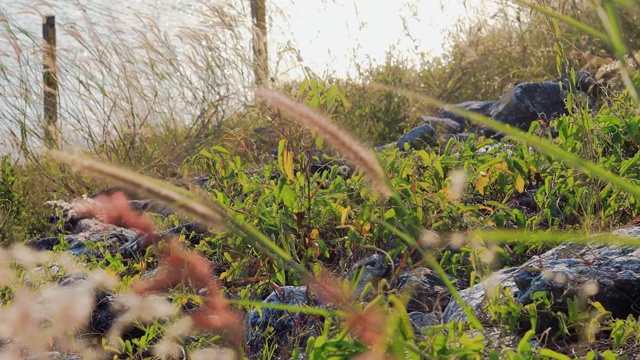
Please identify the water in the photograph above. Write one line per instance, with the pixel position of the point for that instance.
(329, 37)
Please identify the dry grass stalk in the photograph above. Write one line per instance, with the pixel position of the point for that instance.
(367, 325)
(351, 148)
(176, 197)
(177, 266)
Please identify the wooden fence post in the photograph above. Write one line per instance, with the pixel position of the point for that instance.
(51, 130)
(260, 60)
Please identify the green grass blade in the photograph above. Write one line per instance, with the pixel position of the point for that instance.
(567, 20)
(435, 266)
(551, 238)
(290, 308)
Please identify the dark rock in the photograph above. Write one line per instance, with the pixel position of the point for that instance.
(475, 297)
(369, 270)
(114, 239)
(201, 181)
(420, 320)
(47, 243)
(151, 206)
(518, 107)
(480, 107)
(86, 225)
(418, 138)
(194, 232)
(279, 325)
(427, 292)
(77, 249)
(447, 124)
(103, 314)
(606, 273)
(530, 101)
(111, 237)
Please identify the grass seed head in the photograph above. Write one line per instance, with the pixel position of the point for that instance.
(351, 148)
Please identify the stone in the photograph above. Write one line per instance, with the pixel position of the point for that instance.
(111, 237)
(420, 320)
(530, 101)
(418, 138)
(193, 232)
(518, 107)
(424, 288)
(426, 291)
(369, 270)
(47, 243)
(480, 107)
(445, 123)
(266, 324)
(607, 273)
(114, 239)
(474, 297)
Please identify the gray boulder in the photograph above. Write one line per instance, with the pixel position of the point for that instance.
(518, 107)
(530, 101)
(369, 270)
(271, 324)
(418, 138)
(445, 124)
(480, 107)
(420, 320)
(607, 273)
(425, 289)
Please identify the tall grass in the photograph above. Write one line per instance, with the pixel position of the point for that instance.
(137, 97)
(147, 106)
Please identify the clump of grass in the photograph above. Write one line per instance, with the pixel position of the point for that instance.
(138, 100)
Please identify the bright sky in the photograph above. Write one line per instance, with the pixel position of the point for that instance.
(329, 33)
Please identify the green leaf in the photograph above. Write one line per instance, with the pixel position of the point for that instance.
(521, 219)
(609, 355)
(475, 343)
(206, 154)
(320, 341)
(330, 97)
(281, 145)
(280, 274)
(288, 196)
(389, 214)
(552, 354)
(404, 322)
(219, 149)
(524, 348)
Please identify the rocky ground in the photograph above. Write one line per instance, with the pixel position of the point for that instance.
(595, 270)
